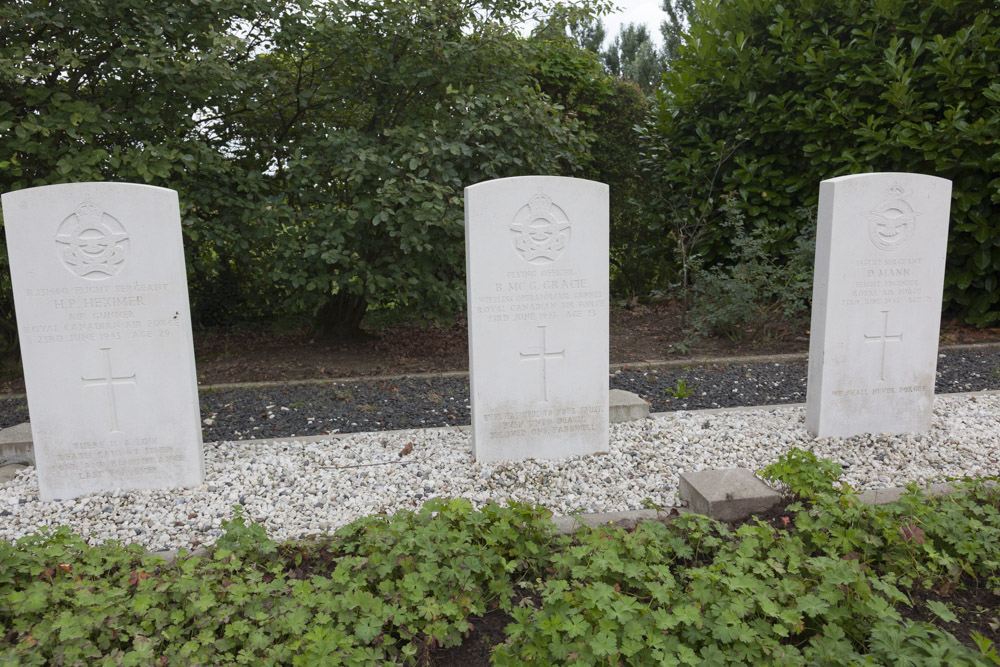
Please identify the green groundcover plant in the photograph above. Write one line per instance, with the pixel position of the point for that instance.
(827, 584)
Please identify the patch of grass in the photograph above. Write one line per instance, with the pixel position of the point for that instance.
(342, 394)
(681, 389)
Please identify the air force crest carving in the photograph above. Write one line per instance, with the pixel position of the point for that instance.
(891, 223)
(541, 230)
(91, 243)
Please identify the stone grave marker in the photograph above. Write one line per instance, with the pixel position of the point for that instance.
(880, 253)
(537, 277)
(100, 292)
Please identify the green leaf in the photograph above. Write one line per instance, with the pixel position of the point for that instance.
(811, 605)
(942, 611)
(604, 643)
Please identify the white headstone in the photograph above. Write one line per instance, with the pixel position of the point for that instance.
(537, 274)
(100, 292)
(880, 253)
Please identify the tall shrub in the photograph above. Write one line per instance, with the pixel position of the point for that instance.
(610, 109)
(374, 118)
(121, 91)
(637, 245)
(796, 91)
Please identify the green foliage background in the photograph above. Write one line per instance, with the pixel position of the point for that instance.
(639, 254)
(778, 96)
(109, 91)
(321, 148)
(371, 122)
(568, 68)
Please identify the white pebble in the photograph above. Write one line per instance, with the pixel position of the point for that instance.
(295, 488)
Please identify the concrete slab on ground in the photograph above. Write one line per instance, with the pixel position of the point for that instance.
(624, 406)
(15, 444)
(891, 495)
(566, 525)
(732, 494)
(9, 472)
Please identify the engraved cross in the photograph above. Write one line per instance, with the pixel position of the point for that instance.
(109, 381)
(884, 338)
(543, 355)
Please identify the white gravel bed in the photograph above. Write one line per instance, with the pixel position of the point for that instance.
(298, 488)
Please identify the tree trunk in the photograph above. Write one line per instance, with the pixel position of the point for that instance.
(341, 317)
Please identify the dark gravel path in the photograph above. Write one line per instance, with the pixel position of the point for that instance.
(371, 405)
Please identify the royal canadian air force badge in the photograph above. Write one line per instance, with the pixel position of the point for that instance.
(891, 223)
(91, 243)
(541, 230)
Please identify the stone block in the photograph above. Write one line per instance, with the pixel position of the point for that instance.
(892, 494)
(624, 406)
(9, 472)
(727, 495)
(15, 444)
(627, 520)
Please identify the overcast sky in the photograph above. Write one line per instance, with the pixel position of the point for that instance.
(636, 11)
